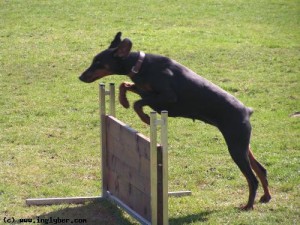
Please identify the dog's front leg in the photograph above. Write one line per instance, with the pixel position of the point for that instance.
(161, 99)
(124, 87)
(138, 108)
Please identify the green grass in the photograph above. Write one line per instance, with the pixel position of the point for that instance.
(49, 139)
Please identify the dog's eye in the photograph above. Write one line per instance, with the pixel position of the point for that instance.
(106, 67)
(97, 63)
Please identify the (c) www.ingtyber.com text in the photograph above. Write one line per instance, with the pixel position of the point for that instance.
(50, 220)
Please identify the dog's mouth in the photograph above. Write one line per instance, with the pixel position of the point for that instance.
(89, 77)
(85, 80)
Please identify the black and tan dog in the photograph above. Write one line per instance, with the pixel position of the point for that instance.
(164, 84)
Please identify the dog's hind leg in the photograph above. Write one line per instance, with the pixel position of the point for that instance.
(237, 137)
(243, 163)
(261, 172)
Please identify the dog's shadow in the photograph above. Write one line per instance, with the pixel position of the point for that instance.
(191, 218)
(103, 213)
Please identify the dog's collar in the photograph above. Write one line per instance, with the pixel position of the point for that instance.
(136, 68)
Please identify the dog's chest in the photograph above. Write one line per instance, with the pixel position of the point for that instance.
(142, 84)
(146, 87)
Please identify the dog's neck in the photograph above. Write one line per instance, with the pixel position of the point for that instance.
(136, 68)
(132, 64)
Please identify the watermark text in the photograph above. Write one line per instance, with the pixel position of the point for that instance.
(39, 220)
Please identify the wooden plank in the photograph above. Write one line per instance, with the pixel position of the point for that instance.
(125, 207)
(130, 174)
(140, 166)
(143, 146)
(122, 141)
(128, 162)
(130, 195)
(128, 145)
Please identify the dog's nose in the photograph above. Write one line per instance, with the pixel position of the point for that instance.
(80, 78)
(84, 79)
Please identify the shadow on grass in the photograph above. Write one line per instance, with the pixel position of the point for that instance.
(188, 219)
(103, 213)
(100, 212)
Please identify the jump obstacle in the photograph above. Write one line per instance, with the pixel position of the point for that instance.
(134, 168)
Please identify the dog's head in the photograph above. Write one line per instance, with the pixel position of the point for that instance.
(108, 61)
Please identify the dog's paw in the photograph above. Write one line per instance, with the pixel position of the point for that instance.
(246, 207)
(124, 102)
(265, 198)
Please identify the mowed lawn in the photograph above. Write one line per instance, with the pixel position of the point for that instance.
(49, 120)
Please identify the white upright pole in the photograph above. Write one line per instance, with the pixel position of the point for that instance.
(164, 143)
(112, 108)
(103, 137)
(153, 167)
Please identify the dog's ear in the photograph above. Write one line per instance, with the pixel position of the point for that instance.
(117, 40)
(124, 48)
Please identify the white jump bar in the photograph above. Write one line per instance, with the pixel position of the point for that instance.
(81, 200)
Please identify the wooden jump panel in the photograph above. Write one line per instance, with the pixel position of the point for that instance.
(128, 166)
(134, 170)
